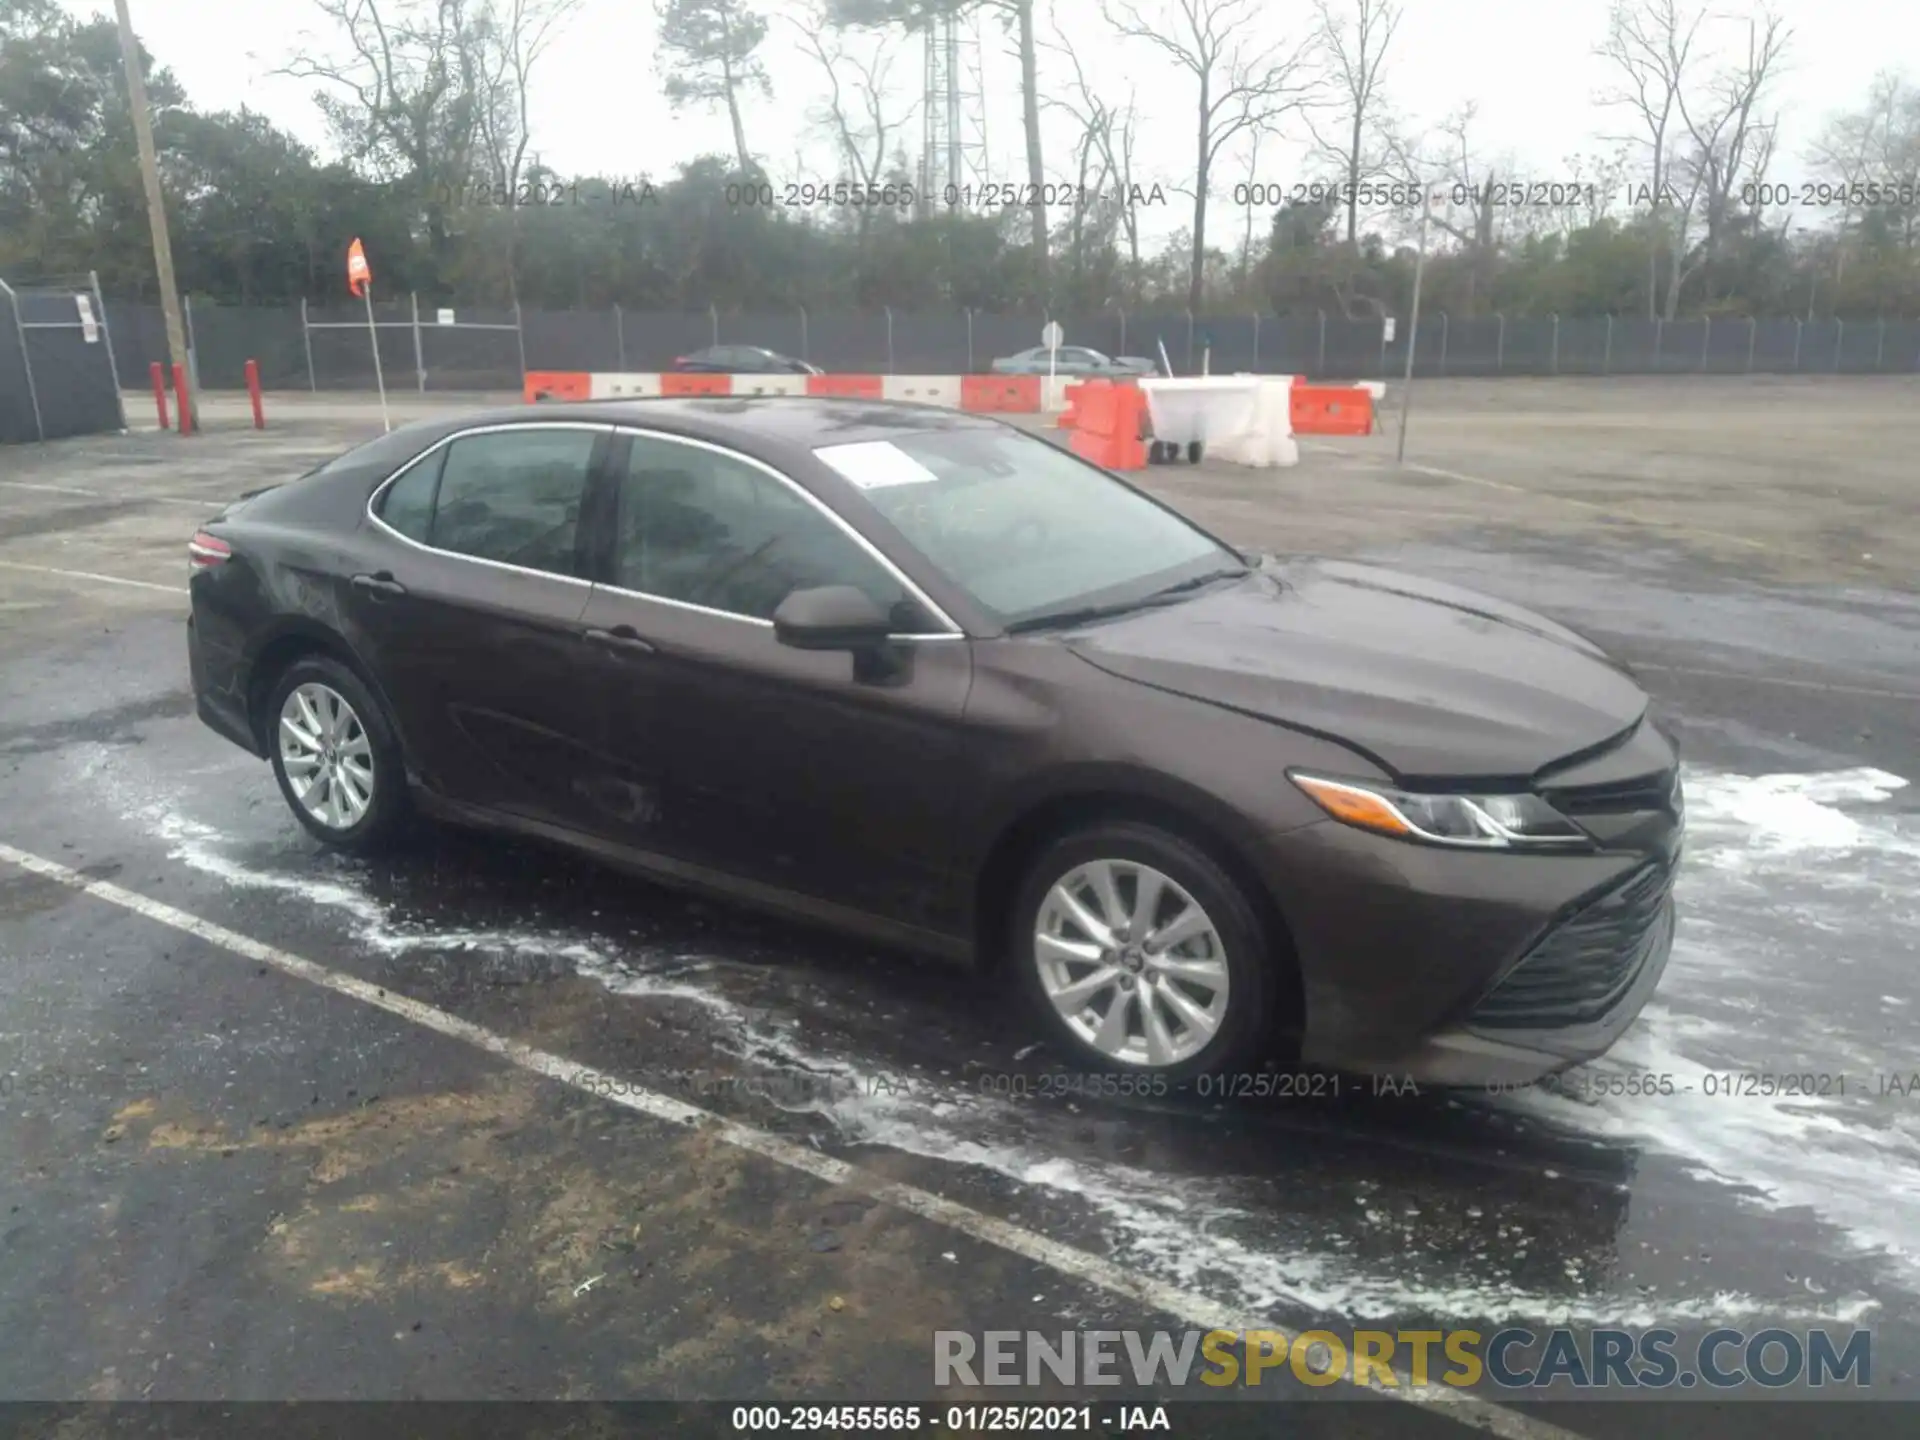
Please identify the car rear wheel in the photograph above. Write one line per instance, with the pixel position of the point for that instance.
(335, 756)
(1139, 953)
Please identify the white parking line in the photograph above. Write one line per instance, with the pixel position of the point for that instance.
(209, 504)
(1189, 1306)
(89, 575)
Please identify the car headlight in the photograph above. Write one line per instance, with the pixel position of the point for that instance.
(1514, 821)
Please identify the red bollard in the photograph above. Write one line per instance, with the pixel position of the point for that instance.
(159, 391)
(253, 394)
(180, 399)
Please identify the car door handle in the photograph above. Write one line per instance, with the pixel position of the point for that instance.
(383, 582)
(620, 637)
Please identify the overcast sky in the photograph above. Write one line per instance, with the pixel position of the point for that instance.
(1528, 63)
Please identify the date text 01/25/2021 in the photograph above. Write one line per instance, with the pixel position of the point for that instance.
(962, 1419)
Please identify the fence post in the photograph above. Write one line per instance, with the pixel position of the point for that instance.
(968, 312)
(1444, 327)
(1189, 339)
(520, 341)
(1123, 331)
(1500, 345)
(620, 338)
(1839, 335)
(1799, 327)
(1321, 365)
(1380, 371)
(113, 362)
(419, 351)
(1753, 331)
(1879, 349)
(889, 311)
(26, 359)
(1606, 354)
(193, 361)
(1553, 356)
(1706, 338)
(1256, 343)
(1659, 341)
(306, 339)
(713, 315)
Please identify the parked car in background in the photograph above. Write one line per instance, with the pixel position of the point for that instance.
(1073, 360)
(741, 360)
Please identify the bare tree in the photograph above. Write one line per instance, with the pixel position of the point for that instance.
(1107, 134)
(855, 110)
(1877, 144)
(1651, 43)
(1353, 40)
(710, 53)
(1244, 84)
(1017, 17)
(1450, 163)
(498, 56)
(1729, 149)
(397, 96)
(1702, 139)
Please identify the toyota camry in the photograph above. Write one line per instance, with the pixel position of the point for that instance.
(931, 680)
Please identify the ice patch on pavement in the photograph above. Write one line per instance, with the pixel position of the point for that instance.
(1216, 1234)
(1795, 955)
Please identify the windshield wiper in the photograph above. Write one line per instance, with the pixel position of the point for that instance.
(1167, 596)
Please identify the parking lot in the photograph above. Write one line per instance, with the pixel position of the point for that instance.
(287, 1125)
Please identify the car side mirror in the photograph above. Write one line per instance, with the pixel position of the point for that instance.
(831, 617)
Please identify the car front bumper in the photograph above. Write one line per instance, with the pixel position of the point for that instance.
(1463, 968)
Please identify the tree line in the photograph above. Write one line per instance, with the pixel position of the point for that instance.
(434, 165)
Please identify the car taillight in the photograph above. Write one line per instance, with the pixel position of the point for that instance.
(205, 551)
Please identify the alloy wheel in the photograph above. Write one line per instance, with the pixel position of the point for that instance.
(327, 755)
(1131, 962)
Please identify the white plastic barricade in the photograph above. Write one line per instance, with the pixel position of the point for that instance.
(1203, 409)
(769, 384)
(1268, 441)
(615, 385)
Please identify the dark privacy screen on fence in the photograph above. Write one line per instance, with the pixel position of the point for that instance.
(56, 364)
(428, 347)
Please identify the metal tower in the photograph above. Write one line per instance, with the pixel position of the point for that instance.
(953, 144)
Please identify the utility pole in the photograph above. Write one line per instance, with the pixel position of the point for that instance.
(156, 201)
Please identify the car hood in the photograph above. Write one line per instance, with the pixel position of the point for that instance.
(1428, 680)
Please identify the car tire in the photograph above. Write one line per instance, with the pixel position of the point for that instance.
(361, 744)
(1234, 946)
(1194, 451)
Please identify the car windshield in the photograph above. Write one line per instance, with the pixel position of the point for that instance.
(1034, 534)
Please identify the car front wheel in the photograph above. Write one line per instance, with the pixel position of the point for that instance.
(334, 755)
(1139, 953)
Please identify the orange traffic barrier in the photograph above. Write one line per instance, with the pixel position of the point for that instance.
(851, 387)
(556, 385)
(1331, 410)
(1070, 417)
(672, 382)
(1107, 427)
(1015, 394)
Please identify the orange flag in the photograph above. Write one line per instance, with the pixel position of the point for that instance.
(359, 273)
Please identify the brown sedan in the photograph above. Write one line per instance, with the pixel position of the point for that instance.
(927, 678)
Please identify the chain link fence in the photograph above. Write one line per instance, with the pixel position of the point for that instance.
(57, 363)
(429, 347)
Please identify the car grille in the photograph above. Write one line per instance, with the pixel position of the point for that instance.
(1647, 792)
(1583, 967)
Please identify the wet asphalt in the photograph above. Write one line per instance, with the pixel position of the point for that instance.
(220, 1182)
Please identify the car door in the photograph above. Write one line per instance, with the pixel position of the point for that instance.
(775, 765)
(469, 612)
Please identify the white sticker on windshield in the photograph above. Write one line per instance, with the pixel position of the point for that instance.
(876, 464)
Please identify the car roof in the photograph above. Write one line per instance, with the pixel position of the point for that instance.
(757, 424)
